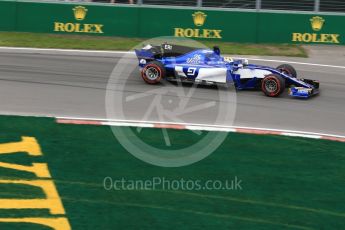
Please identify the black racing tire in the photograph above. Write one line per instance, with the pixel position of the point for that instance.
(288, 69)
(273, 85)
(153, 72)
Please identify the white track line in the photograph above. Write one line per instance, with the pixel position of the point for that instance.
(63, 50)
(128, 52)
(191, 126)
(304, 135)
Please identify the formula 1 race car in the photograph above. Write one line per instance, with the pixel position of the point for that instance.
(206, 66)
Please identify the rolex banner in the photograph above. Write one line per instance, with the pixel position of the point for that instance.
(145, 22)
(199, 24)
(301, 28)
(76, 19)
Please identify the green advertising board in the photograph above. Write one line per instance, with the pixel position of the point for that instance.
(145, 22)
(301, 28)
(7, 16)
(196, 24)
(77, 19)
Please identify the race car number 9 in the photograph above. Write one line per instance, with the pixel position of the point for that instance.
(191, 71)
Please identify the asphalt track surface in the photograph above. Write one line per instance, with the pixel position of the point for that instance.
(73, 84)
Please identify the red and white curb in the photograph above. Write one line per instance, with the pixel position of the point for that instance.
(200, 127)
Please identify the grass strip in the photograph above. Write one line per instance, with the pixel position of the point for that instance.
(37, 40)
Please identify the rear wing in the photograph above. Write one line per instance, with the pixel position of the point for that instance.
(148, 52)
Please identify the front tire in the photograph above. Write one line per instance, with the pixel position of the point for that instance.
(288, 69)
(153, 72)
(273, 85)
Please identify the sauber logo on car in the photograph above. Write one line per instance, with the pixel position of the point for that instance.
(199, 19)
(196, 59)
(80, 13)
(317, 24)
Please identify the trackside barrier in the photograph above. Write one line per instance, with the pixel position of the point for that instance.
(146, 22)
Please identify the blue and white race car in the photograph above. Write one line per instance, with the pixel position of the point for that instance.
(206, 66)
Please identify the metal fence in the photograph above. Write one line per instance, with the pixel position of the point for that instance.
(259, 5)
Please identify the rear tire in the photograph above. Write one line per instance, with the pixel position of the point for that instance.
(288, 69)
(153, 72)
(273, 85)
